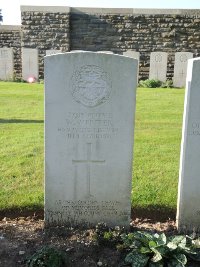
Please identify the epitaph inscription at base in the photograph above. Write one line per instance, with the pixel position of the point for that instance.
(89, 107)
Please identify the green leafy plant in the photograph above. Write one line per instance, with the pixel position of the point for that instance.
(156, 250)
(106, 236)
(153, 83)
(167, 84)
(150, 83)
(47, 257)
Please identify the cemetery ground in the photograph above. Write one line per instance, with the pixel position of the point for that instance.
(155, 177)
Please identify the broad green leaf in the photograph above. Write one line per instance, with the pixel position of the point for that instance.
(163, 250)
(145, 250)
(143, 237)
(174, 263)
(178, 239)
(152, 244)
(196, 243)
(157, 256)
(156, 264)
(137, 259)
(171, 246)
(195, 257)
(161, 239)
(181, 258)
(183, 242)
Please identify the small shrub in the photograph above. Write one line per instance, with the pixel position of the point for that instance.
(151, 250)
(143, 249)
(150, 83)
(155, 84)
(47, 257)
(167, 84)
(106, 236)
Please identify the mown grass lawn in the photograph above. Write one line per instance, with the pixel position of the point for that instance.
(156, 149)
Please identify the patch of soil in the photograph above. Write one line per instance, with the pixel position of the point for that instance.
(20, 238)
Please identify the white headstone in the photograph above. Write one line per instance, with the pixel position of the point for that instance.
(29, 63)
(52, 52)
(133, 54)
(89, 138)
(6, 64)
(106, 52)
(188, 214)
(158, 66)
(180, 68)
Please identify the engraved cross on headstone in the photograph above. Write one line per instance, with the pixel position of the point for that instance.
(157, 73)
(182, 73)
(88, 161)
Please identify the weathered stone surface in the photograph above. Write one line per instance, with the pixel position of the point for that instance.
(180, 68)
(158, 66)
(6, 64)
(133, 54)
(188, 216)
(29, 63)
(52, 52)
(89, 138)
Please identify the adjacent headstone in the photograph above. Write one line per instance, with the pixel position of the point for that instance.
(29, 63)
(180, 68)
(52, 52)
(133, 54)
(158, 66)
(188, 215)
(6, 64)
(90, 106)
(106, 52)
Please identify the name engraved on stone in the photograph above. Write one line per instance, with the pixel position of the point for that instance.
(89, 125)
(90, 86)
(194, 128)
(86, 161)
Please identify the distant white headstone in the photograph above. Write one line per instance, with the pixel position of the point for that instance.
(29, 63)
(89, 138)
(158, 66)
(133, 54)
(52, 52)
(6, 64)
(180, 68)
(188, 215)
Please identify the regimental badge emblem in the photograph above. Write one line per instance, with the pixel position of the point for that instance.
(91, 86)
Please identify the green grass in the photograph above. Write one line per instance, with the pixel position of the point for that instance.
(21, 145)
(156, 149)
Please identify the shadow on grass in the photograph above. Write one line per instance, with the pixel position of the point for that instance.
(154, 213)
(20, 121)
(36, 211)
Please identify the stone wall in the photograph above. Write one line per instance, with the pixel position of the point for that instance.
(97, 29)
(140, 30)
(45, 28)
(10, 36)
